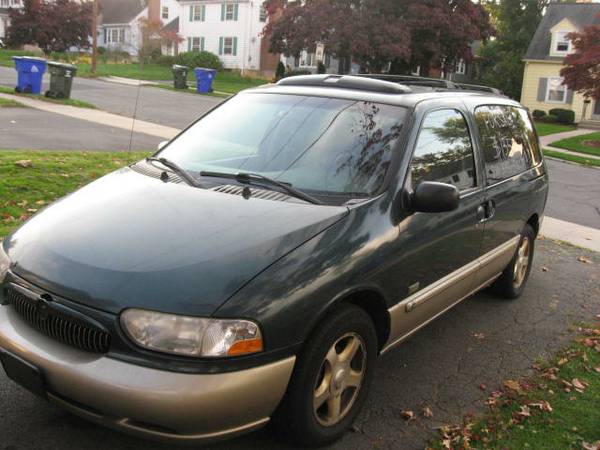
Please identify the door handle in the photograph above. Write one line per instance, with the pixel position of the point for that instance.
(486, 211)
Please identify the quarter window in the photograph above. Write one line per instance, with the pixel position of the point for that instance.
(508, 141)
(444, 151)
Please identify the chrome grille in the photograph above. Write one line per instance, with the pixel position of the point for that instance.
(61, 327)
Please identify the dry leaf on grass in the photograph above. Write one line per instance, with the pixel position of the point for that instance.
(584, 260)
(524, 412)
(562, 361)
(592, 446)
(427, 412)
(542, 405)
(407, 415)
(512, 385)
(24, 163)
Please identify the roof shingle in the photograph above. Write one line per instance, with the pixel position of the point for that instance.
(121, 11)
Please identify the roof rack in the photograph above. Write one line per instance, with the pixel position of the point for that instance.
(371, 84)
(440, 83)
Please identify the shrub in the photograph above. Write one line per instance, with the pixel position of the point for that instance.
(101, 50)
(550, 118)
(166, 60)
(280, 71)
(321, 67)
(565, 116)
(538, 114)
(293, 73)
(207, 60)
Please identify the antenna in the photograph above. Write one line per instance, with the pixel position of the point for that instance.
(137, 98)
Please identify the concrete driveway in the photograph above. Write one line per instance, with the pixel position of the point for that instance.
(484, 340)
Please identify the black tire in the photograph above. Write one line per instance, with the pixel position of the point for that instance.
(508, 285)
(296, 418)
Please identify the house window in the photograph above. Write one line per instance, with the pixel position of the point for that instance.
(229, 12)
(308, 59)
(4, 3)
(563, 44)
(165, 12)
(115, 35)
(556, 92)
(461, 67)
(262, 15)
(228, 46)
(196, 13)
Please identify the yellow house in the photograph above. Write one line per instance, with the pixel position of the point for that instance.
(542, 83)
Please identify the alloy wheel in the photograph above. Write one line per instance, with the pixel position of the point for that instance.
(522, 262)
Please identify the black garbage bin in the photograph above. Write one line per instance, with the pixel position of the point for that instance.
(180, 74)
(61, 79)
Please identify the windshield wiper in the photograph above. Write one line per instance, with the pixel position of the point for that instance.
(248, 178)
(177, 169)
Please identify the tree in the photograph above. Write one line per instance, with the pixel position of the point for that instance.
(376, 32)
(52, 26)
(582, 71)
(153, 36)
(500, 62)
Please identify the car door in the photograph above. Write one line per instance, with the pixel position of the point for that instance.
(438, 252)
(507, 142)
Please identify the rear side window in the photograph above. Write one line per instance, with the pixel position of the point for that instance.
(508, 141)
(444, 151)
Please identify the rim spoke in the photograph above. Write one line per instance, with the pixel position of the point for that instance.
(354, 378)
(349, 352)
(321, 395)
(334, 407)
(332, 356)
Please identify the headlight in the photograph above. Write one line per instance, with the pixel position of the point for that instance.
(4, 264)
(191, 336)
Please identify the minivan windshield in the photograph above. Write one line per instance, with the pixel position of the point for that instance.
(327, 146)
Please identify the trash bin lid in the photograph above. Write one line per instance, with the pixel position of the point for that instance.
(205, 69)
(63, 65)
(177, 66)
(30, 58)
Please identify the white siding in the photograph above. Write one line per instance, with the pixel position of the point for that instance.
(246, 29)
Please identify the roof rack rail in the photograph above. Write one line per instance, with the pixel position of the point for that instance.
(441, 83)
(346, 82)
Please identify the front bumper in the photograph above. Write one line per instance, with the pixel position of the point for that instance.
(149, 403)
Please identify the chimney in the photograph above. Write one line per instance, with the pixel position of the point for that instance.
(154, 10)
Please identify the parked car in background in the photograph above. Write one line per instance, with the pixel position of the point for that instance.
(258, 264)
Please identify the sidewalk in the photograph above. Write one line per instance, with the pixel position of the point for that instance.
(571, 233)
(99, 117)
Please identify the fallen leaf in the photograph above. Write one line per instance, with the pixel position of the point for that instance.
(544, 269)
(479, 335)
(407, 415)
(512, 385)
(543, 405)
(25, 163)
(427, 412)
(579, 384)
(524, 412)
(592, 446)
(483, 387)
(562, 361)
(584, 260)
(597, 369)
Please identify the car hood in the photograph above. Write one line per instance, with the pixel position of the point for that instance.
(129, 240)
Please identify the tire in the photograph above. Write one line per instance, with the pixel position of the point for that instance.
(297, 419)
(514, 278)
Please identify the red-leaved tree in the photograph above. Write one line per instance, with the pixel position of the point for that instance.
(410, 33)
(582, 68)
(53, 26)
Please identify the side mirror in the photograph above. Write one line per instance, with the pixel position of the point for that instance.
(433, 197)
(162, 145)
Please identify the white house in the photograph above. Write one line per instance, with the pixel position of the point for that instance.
(232, 30)
(5, 6)
(120, 26)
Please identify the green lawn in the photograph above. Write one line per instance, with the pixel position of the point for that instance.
(24, 190)
(576, 144)
(573, 158)
(68, 101)
(557, 408)
(6, 56)
(4, 103)
(545, 129)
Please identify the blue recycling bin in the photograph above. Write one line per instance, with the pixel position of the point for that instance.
(204, 79)
(30, 72)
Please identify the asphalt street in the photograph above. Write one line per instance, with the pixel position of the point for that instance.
(33, 129)
(484, 340)
(174, 109)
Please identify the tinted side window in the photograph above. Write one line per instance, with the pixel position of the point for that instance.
(444, 151)
(507, 140)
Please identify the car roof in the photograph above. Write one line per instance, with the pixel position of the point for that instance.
(400, 91)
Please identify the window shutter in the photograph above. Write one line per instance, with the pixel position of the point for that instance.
(234, 46)
(105, 34)
(202, 44)
(542, 86)
(203, 13)
(569, 96)
(235, 11)
(222, 12)
(189, 44)
(220, 45)
(191, 13)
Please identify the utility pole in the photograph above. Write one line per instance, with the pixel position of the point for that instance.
(95, 35)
